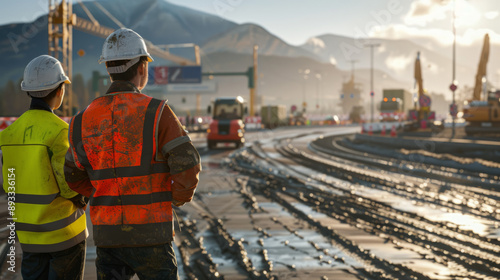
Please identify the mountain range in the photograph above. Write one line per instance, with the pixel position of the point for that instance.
(227, 46)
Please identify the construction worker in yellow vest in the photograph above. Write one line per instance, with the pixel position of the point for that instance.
(48, 217)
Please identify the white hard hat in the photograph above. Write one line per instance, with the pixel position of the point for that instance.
(124, 44)
(42, 75)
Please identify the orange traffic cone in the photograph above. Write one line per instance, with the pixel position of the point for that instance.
(393, 131)
(383, 130)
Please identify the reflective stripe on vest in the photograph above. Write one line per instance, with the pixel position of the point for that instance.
(45, 221)
(145, 167)
(114, 140)
(52, 225)
(41, 248)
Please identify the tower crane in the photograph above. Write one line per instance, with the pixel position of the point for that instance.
(62, 20)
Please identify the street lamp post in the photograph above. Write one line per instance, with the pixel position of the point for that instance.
(318, 79)
(454, 82)
(306, 76)
(372, 94)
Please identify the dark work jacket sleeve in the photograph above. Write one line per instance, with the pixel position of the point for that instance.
(77, 179)
(181, 156)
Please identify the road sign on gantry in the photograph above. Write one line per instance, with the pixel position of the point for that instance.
(184, 75)
(161, 75)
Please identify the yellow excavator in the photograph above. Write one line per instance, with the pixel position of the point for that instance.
(421, 117)
(482, 113)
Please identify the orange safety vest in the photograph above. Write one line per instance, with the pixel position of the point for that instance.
(114, 140)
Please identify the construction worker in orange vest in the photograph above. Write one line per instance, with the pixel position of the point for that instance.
(48, 217)
(131, 156)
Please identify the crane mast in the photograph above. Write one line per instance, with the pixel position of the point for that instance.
(60, 30)
(61, 21)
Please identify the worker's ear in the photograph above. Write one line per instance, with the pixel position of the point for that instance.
(142, 68)
(60, 92)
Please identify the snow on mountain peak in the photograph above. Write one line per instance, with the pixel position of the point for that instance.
(316, 42)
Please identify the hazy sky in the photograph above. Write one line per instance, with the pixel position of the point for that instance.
(297, 20)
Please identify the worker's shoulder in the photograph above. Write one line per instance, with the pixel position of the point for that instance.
(34, 127)
(46, 124)
(167, 111)
(48, 119)
(162, 102)
(10, 131)
(135, 98)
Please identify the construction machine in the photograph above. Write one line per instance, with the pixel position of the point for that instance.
(273, 116)
(482, 112)
(227, 122)
(421, 117)
(392, 105)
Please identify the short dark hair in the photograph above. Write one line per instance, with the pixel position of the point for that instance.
(127, 75)
(51, 95)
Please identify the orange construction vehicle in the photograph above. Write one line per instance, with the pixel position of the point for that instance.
(227, 122)
(422, 117)
(482, 113)
(392, 105)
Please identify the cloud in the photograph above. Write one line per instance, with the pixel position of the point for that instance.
(438, 37)
(381, 49)
(401, 31)
(423, 12)
(398, 63)
(428, 65)
(333, 60)
(491, 15)
(316, 42)
(473, 35)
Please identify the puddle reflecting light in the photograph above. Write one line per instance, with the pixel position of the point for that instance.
(466, 222)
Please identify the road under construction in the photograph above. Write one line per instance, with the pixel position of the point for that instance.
(331, 203)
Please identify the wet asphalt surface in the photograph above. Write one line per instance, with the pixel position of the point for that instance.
(292, 206)
(311, 203)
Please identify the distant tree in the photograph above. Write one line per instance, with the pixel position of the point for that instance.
(10, 100)
(22, 100)
(80, 92)
(10, 87)
(2, 105)
(91, 95)
(102, 87)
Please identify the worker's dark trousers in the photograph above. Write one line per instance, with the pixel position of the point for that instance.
(149, 263)
(65, 264)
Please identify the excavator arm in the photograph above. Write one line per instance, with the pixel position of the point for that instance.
(481, 68)
(418, 76)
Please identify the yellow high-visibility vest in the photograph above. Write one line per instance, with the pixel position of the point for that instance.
(45, 220)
